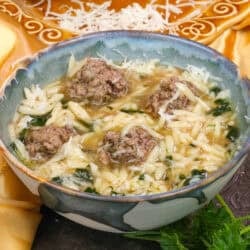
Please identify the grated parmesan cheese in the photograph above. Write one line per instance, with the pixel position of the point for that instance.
(92, 17)
(139, 66)
(162, 110)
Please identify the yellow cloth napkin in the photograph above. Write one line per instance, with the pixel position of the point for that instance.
(235, 45)
(19, 212)
(19, 209)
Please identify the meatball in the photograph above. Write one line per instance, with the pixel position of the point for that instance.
(167, 91)
(44, 142)
(96, 83)
(132, 148)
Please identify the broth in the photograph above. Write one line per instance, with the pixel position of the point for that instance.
(124, 147)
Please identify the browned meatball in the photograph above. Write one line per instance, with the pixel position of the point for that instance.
(44, 142)
(132, 148)
(166, 91)
(96, 83)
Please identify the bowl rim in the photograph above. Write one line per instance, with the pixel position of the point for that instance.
(176, 193)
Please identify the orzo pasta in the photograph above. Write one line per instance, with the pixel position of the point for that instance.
(133, 128)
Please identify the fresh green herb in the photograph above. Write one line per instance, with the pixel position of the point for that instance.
(142, 177)
(212, 228)
(39, 120)
(91, 190)
(196, 176)
(132, 111)
(83, 174)
(223, 106)
(58, 180)
(23, 134)
(233, 133)
(216, 90)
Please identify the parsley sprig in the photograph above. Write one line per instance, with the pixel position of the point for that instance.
(213, 228)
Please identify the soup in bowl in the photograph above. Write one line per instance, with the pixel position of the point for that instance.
(125, 131)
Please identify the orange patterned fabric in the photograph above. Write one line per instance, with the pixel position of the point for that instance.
(29, 26)
(202, 20)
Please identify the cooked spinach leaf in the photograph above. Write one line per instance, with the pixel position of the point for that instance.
(142, 177)
(84, 174)
(132, 111)
(182, 177)
(13, 147)
(233, 133)
(57, 179)
(23, 134)
(25, 161)
(196, 176)
(216, 90)
(91, 190)
(64, 103)
(223, 106)
(198, 172)
(169, 157)
(168, 160)
(39, 120)
(90, 126)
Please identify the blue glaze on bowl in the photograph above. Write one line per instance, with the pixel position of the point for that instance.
(127, 213)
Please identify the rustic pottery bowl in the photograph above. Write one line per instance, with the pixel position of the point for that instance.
(128, 213)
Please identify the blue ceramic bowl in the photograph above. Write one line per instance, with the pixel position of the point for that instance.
(128, 213)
